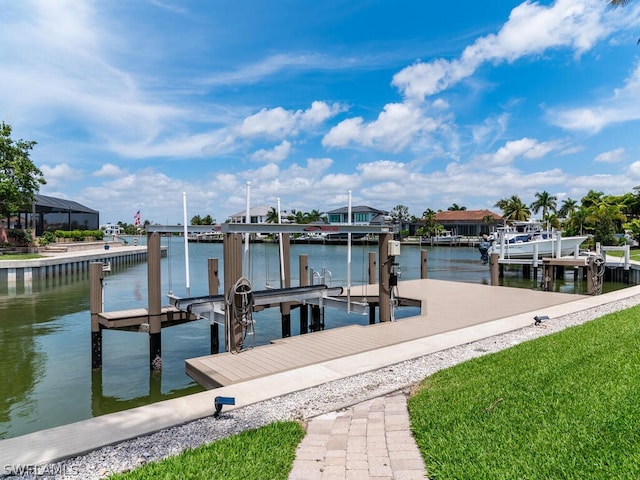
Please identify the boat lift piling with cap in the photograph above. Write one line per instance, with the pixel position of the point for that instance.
(155, 316)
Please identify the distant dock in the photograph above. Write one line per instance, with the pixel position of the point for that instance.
(74, 261)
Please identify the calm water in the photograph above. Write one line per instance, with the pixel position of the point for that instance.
(46, 378)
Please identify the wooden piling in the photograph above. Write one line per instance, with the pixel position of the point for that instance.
(590, 269)
(372, 281)
(232, 273)
(384, 293)
(316, 320)
(423, 264)
(95, 308)
(155, 301)
(285, 263)
(547, 277)
(494, 265)
(372, 268)
(303, 275)
(214, 288)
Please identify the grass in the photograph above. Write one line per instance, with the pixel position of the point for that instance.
(19, 256)
(634, 254)
(562, 406)
(265, 453)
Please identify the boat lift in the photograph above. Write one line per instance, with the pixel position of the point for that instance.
(220, 308)
(320, 295)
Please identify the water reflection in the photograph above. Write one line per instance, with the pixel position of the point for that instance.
(102, 403)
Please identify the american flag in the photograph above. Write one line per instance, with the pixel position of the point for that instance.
(137, 218)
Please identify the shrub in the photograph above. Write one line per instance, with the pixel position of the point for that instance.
(46, 238)
(79, 235)
(19, 237)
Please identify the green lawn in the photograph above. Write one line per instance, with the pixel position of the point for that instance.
(560, 407)
(19, 256)
(564, 406)
(265, 453)
(634, 254)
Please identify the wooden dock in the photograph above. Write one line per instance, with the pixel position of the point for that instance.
(446, 306)
(137, 318)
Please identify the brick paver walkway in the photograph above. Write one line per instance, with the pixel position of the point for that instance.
(370, 440)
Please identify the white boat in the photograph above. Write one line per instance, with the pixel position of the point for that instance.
(530, 240)
(446, 238)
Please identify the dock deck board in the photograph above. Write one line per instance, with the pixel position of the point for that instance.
(449, 306)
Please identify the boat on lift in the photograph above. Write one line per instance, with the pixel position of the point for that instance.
(529, 239)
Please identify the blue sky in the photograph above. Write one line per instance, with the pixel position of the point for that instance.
(424, 104)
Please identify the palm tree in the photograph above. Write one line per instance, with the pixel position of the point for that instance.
(296, 216)
(576, 221)
(314, 216)
(545, 201)
(554, 221)
(430, 227)
(272, 215)
(455, 208)
(514, 209)
(568, 206)
(501, 203)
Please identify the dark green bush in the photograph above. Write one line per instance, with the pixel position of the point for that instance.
(19, 237)
(46, 238)
(79, 235)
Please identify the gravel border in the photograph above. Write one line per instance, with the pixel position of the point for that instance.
(300, 405)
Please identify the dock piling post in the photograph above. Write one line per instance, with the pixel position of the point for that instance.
(423, 264)
(384, 290)
(232, 273)
(95, 289)
(372, 268)
(214, 287)
(372, 281)
(494, 263)
(303, 269)
(155, 299)
(548, 273)
(285, 282)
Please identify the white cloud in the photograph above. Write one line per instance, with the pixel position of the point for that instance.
(492, 128)
(317, 166)
(528, 148)
(634, 170)
(276, 154)
(109, 170)
(59, 175)
(394, 129)
(612, 156)
(383, 170)
(284, 62)
(278, 122)
(531, 29)
(622, 106)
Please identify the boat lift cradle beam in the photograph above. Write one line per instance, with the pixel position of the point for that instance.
(312, 294)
